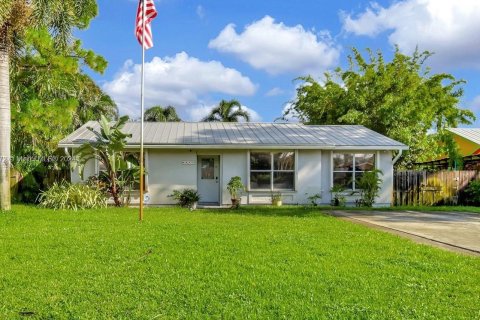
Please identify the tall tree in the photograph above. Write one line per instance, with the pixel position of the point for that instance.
(60, 18)
(228, 111)
(160, 114)
(401, 99)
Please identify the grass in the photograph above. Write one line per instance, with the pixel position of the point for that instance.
(253, 263)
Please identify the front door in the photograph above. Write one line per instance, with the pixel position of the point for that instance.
(208, 179)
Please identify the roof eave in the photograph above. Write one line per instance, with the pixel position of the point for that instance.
(254, 146)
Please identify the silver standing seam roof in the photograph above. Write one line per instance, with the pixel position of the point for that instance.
(248, 135)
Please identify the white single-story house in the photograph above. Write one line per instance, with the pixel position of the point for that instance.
(293, 159)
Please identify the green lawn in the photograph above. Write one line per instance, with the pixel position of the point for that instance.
(254, 263)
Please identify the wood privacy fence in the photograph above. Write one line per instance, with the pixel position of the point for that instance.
(413, 188)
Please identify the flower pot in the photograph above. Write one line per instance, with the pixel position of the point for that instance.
(193, 206)
(235, 203)
(277, 203)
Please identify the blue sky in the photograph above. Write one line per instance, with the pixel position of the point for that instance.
(252, 50)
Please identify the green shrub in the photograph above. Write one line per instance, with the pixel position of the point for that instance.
(369, 185)
(338, 199)
(66, 196)
(473, 192)
(235, 187)
(186, 198)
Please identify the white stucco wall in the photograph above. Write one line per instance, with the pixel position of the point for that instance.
(167, 171)
(385, 164)
(88, 171)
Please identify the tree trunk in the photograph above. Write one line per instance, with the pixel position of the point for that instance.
(5, 125)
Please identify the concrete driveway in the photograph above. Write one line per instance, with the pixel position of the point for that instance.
(455, 231)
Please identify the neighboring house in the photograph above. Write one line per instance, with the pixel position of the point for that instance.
(294, 159)
(468, 142)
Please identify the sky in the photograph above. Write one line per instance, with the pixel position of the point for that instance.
(253, 51)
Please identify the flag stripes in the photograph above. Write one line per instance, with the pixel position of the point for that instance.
(150, 14)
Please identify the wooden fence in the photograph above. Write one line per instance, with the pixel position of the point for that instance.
(415, 188)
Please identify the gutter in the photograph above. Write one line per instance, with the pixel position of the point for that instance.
(400, 152)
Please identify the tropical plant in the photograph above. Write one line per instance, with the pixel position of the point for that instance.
(401, 99)
(313, 199)
(338, 199)
(55, 20)
(121, 169)
(369, 185)
(186, 198)
(228, 111)
(66, 196)
(235, 187)
(160, 114)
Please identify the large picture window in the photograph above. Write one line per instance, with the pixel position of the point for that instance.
(349, 167)
(272, 170)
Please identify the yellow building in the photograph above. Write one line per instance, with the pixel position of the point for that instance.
(468, 140)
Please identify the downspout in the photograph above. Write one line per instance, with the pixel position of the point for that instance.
(400, 152)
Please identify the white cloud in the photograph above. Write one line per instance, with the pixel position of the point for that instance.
(200, 12)
(181, 81)
(278, 48)
(448, 28)
(274, 92)
(475, 105)
(200, 112)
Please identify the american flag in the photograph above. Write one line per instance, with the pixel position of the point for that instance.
(150, 14)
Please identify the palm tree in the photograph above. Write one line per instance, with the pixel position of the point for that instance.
(228, 111)
(160, 114)
(60, 17)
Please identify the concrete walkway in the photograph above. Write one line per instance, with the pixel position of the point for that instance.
(454, 231)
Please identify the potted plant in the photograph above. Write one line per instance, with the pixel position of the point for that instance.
(187, 198)
(235, 187)
(338, 199)
(277, 199)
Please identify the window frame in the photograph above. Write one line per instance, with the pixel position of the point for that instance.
(272, 170)
(354, 171)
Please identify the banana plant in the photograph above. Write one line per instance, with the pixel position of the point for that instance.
(121, 169)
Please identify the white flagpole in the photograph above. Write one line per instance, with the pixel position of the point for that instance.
(142, 104)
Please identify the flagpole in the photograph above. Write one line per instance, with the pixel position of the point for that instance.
(142, 107)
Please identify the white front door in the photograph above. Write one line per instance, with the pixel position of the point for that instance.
(208, 179)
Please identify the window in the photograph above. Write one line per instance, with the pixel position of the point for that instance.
(208, 169)
(348, 168)
(272, 170)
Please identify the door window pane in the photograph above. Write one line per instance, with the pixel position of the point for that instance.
(364, 162)
(260, 161)
(343, 179)
(284, 161)
(284, 180)
(342, 162)
(208, 168)
(260, 180)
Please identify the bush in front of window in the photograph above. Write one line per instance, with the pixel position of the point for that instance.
(369, 185)
(66, 196)
(186, 198)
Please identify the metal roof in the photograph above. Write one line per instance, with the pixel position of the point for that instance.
(472, 134)
(248, 135)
